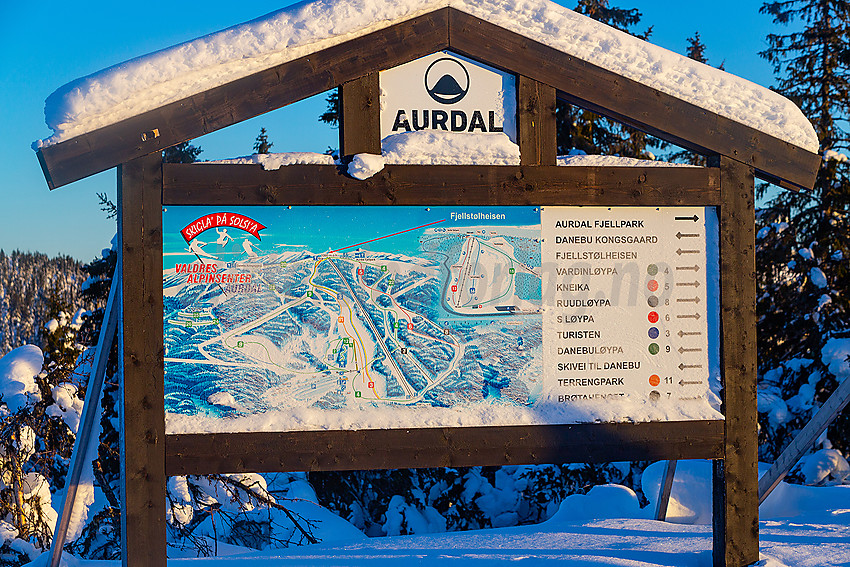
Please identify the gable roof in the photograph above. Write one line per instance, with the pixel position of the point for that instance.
(182, 92)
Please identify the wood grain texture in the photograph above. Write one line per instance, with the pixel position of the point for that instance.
(360, 122)
(441, 447)
(735, 490)
(142, 413)
(577, 81)
(224, 184)
(536, 128)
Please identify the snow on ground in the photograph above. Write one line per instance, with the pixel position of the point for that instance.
(595, 543)
(151, 81)
(801, 526)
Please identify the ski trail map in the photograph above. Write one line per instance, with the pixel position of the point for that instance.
(332, 309)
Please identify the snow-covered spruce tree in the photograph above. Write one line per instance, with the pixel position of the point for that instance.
(582, 131)
(803, 237)
(262, 144)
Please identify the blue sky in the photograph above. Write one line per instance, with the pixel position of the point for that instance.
(46, 44)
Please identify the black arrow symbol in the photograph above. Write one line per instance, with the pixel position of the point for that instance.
(690, 268)
(688, 333)
(683, 366)
(689, 382)
(680, 251)
(683, 350)
(687, 300)
(694, 316)
(681, 235)
(688, 284)
(693, 218)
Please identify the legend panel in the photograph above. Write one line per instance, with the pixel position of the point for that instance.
(626, 303)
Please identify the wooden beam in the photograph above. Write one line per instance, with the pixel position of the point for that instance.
(536, 122)
(735, 486)
(360, 118)
(223, 184)
(142, 434)
(242, 99)
(441, 447)
(633, 103)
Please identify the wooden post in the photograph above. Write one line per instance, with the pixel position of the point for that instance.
(735, 482)
(142, 440)
(536, 122)
(804, 440)
(360, 116)
(665, 489)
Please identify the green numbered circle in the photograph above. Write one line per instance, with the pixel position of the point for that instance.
(652, 269)
(654, 348)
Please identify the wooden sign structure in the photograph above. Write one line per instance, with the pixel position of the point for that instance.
(737, 153)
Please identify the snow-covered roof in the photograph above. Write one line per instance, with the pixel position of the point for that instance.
(153, 80)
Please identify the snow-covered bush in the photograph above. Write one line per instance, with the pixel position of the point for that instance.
(36, 439)
(410, 501)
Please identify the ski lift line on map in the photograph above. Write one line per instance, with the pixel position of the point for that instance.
(387, 236)
(367, 379)
(406, 386)
(378, 337)
(511, 258)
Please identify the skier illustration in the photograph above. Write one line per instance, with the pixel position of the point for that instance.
(223, 237)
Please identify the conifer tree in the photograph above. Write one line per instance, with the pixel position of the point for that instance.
(331, 114)
(804, 237)
(262, 144)
(620, 18)
(696, 51)
(183, 152)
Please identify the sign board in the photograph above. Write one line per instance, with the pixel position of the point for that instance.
(447, 92)
(633, 311)
(354, 318)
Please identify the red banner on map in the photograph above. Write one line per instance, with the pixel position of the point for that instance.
(222, 220)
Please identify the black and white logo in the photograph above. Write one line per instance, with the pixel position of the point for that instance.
(447, 80)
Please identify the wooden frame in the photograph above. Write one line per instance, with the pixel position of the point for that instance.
(728, 442)
(737, 153)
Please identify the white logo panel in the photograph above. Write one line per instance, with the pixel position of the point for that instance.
(448, 92)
